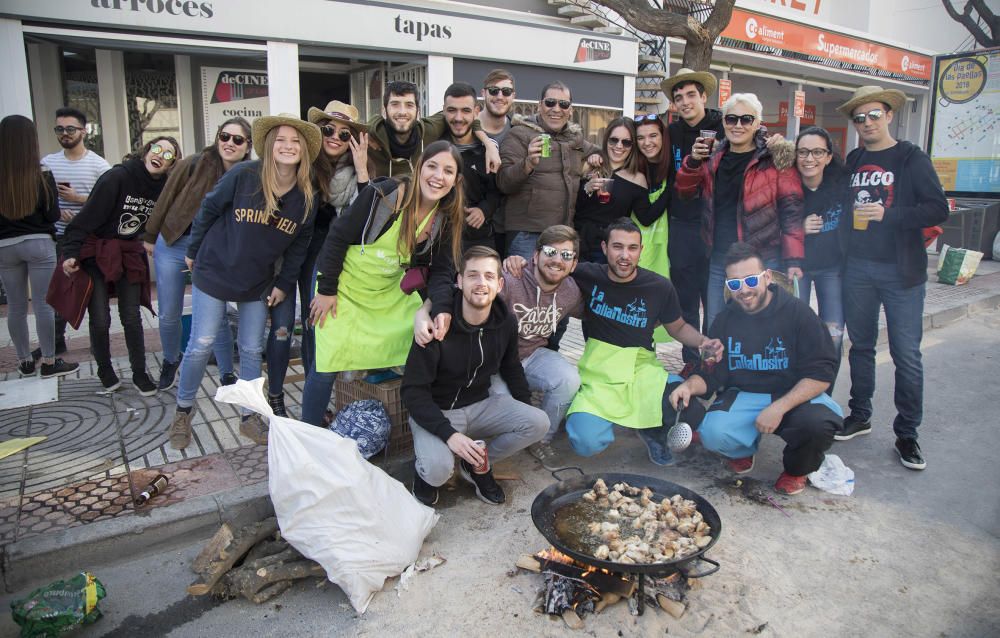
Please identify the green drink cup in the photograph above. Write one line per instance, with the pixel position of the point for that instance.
(546, 145)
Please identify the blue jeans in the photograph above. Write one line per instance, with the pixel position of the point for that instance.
(830, 300)
(208, 313)
(316, 393)
(170, 284)
(867, 286)
(552, 375)
(717, 283)
(279, 339)
(522, 243)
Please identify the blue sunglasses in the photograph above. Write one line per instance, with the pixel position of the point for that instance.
(751, 281)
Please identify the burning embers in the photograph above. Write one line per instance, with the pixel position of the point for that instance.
(573, 589)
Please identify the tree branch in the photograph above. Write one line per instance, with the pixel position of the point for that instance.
(972, 24)
(649, 19)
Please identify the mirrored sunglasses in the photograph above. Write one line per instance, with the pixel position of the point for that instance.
(550, 102)
(494, 90)
(67, 130)
(751, 281)
(328, 131)
(238, 140)
(156, 149)
(874, 115)
(647, 117)
(550, 251)
(745, 120)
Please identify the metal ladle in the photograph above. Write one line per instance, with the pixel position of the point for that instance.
(680, 434)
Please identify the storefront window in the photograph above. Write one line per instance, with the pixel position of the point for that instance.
(591, 120)
(151, 96)
(81, 92)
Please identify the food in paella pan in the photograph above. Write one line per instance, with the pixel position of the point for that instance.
(626, 524)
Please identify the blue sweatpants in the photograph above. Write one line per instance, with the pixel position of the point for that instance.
(728, 428)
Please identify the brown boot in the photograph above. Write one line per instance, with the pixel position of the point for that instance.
(180, 430)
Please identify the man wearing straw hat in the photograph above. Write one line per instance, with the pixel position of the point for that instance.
(886, 263)
(689, 91)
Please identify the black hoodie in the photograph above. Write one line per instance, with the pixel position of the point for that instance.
(117, 208)
(682, 137)
(772, 350)
(455, 373)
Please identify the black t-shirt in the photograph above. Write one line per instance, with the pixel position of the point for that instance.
(771, 351)
(728, 189)
(624, 314)
(823, 248)
(874, 181)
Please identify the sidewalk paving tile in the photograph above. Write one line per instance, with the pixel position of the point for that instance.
(54, 468)
(12, 474)
(249, 463)
(9, 508)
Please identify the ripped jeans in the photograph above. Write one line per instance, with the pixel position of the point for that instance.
(830, 300)
(207, 314)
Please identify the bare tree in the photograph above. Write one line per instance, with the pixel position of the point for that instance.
(966, 19)
(672, 20)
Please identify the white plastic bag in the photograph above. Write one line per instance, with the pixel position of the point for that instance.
(833, 476)
(332, 505)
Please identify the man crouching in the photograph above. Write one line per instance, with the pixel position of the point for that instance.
(446, 389)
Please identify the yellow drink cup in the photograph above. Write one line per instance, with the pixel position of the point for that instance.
(860, 224)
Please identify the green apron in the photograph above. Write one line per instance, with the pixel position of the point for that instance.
(654, 252)
(374, 324)
(623, 385)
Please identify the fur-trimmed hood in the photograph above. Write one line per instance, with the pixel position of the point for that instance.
(781, 154)
(531, 121)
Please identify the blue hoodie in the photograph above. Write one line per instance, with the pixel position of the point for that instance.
(237, 250)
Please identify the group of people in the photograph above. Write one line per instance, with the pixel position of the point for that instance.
(398, 234)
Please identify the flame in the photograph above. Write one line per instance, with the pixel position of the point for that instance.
(554, 555)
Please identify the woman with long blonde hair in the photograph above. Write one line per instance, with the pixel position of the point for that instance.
(401, 235)
(248, 243)
(28, 212)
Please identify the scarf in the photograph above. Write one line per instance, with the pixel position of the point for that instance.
(344, 183)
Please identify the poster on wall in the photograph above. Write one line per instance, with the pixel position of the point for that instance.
(965, 123)
(228, 92)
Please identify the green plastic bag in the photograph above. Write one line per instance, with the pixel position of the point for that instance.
(59, 607)
(956, 266)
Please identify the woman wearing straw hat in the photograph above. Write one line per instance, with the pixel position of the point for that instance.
(168, 235)
(400, 236)
(259, 215)
(340, 170)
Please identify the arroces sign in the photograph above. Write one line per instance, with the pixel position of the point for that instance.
(590, 50)
(791, 36)
(189, 8)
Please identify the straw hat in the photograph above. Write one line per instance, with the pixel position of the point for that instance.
(340, 111)
(308, 130)
(703, 78)
(893, 97)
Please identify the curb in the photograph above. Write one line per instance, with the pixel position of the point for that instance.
(47, 557)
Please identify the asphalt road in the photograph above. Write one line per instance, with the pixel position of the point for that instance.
(910, 553)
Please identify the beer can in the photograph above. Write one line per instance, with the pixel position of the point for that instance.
(546, 145)
(485, 467)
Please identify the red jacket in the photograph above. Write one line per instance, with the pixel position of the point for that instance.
(70, 295)
(769, 213)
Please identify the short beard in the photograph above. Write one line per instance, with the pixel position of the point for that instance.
(489, 108)
(70, 145)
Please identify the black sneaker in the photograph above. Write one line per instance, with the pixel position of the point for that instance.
(424, 491)
(144, 384)
(277, 404)
(58, 368)
(487, 488)
(909, 454)
(109, 379)
(168, 375)
(26, 368)
(852, 428)
(228, 379)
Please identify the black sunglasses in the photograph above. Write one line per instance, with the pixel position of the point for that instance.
(874, 115)
(506, 90)
(329, 130)
(238, 140)
(67, 130)
(615, 141)
(745, 120)
(550, 102)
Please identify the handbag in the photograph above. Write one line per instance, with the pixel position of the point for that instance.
(415, 278)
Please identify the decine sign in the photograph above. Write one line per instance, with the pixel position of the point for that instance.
(590, 50)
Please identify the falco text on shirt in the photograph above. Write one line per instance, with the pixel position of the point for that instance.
(255, 216)
(873, 184)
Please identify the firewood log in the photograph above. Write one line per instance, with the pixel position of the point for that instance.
(266, 548)
(529, 563)
(271, 591)
(211, 550)
(236, 549)
(672, 607)
(572, 620)
(250, 582)
(607, 599)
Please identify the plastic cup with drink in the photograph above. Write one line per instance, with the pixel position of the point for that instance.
(604, 190)
(708, 139)
(860, 222)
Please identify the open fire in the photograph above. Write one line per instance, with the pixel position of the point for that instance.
(573, 589)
